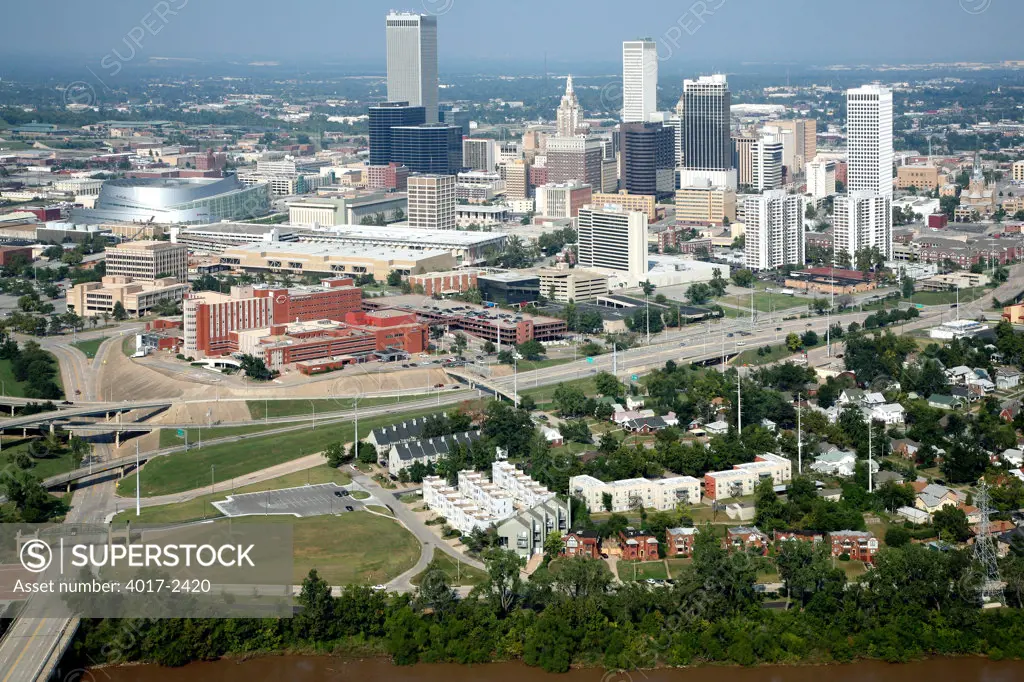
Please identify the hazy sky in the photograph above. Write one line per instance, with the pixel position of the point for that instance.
(571, 32)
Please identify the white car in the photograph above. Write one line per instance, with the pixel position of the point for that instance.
(379, 588)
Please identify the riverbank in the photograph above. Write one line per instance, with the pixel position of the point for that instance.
(302, 668)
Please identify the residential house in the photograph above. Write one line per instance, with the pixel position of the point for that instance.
(645, 425)
(906, 448)
(637, 545)
(798, 536)
(835, 463)
(585, 543)
(1005, 541)
(1007, 378)
(859, 545)
(850, 396)
(914, 515)
(717, 428)
(679, 541)
(1009, 409)
(944, 402)
(385, 437)
(769, 424)
(932, 497)
(888, 413)
(1013, 457)
(634, 403)
(552, 436)
(883, 477)
(959, 375)
(746, 538)
(872, 399)
(426, 450)
(621, 417)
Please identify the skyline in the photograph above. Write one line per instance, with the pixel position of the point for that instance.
(712, 34)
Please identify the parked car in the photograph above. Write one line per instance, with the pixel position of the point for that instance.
(349, 508)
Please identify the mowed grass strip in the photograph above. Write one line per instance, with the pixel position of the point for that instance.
(169, 437)
(350, 548)
(457, 573)
(202, 507)
(90, 347)
(188, 470)
(261, 409)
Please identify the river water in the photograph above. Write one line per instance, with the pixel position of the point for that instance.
(315, 669)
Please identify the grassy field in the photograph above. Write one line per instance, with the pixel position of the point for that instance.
(677, 566)
(765, 302)
(644, 570)
(43, 467)
(202, 507)
(457, 574)
(261, 409)
(13, 387)
(169, 437)
(947, 297)
(128, 346)
(353, 548)
(750, 356)
(185, 471)
(360, 495)
(91, 347)
(544, 394)
(527, 365)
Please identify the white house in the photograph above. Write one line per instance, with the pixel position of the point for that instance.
(1013, 457)
(889, 413)
(1007, 377)
(718, 428)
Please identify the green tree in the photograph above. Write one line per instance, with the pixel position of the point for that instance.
(531, 350)
(951, 524)
(793, 343)
(742, 278)
(394, 278)
(770, 510)
(698, 293)
(315, 621)
(607, 385)
(120, 314)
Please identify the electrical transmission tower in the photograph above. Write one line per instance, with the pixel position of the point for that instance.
(990, 590)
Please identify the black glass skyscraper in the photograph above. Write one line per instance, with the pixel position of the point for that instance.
(384, 117)
(431, 148)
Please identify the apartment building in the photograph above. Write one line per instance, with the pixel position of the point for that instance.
(432, 202)
(148, 261)
(859, 545)
(614, 240)
(630, 493)
(743, 478)
(643, 203)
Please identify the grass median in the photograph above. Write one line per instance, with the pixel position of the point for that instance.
(90, 347)
(169, 437)
(189, 470)
(261, 409)
(458, 573)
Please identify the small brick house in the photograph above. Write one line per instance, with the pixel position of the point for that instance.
(859, 545)
(746, 538)
(798, 536)
(637, 545)
(586, 543)
(679, 541)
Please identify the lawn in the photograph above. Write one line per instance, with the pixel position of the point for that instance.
(457, 572)
(129, 345)
(543, 394)
(528, 365)
(185, 471)
(352, 548)
(644, 570)
(947, 297)
(43, 467)
(202, 507)
(13, 387)
(169, 437)
(92, 346)
(261, 409)
(750, 356)
(677, 566)
(765, 302)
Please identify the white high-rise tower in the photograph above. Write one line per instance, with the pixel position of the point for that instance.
(774, 230)
(570, 114)
(863, 218)
(639, 80)
(412, 61)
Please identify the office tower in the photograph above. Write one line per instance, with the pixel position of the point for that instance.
(743, 158)
(516, 175)
(786, 137)
(455, 117)
(384, 117)
(805, 141)
(611, 238)
(766, 157)
(639, 80)
(705, 204)
(430, 148)
(647, 160)
(393, 177)
(563, 200)
(707, 144)
(821, 179)
(575, 158)
(869, 139)
(480, 154)
(774, 230)
(432, 202)
(509, 151)
(569, 117)
(862, 220)
(673, 122)
(148, 261)
(412, 61)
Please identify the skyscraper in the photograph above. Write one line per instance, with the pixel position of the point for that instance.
(647, 159)
(613, 239)
(862, 220)
(774, 230)
(575, 158)
(805, 141)
(869, 139)
(707, 146)
(432, 202)
(384, 117)
(766, 156)
(429, 148)
(412, 61)
(569, 116)
(480, 154)
(639, 80)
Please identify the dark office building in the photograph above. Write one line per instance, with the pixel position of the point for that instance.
(456, 117)
(647, 159)
(433, 148)
(383, 118)
(509, 288)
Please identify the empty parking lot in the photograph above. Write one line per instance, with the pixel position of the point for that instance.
(309, 500)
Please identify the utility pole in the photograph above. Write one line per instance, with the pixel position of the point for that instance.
(799, 436)
(871, 486)
(739, 403)
(138, 493)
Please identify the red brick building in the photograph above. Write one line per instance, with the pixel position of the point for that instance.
(7, 253)
(44, 213)
(798, 536)
(859, 545)
(393, 176)
(679, 541)
(746, 538)
(637, 545)
(332, 300)
(586, 543)
(445, 282)
(538, 175)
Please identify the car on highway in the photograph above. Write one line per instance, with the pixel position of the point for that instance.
(730, 335)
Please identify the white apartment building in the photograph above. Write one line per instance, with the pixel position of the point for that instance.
(412, 61)
(480, 154)
(611, 239)
(555, 200)
(767, 160)
(639, 80)
(521, 487)
(148, 261)
(629, 493)
(564, 284)
(862, 220)
(460, 511)
(869, 149)
(743, 478)
(432, 202)
(774, 230)
(821, 179)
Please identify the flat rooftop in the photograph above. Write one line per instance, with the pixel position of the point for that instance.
(237, 228)
(454, 238)
(337, 251)
(454, 308)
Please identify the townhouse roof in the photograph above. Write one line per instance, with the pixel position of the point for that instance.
(434, 447)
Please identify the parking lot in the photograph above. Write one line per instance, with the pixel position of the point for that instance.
(309, 500)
